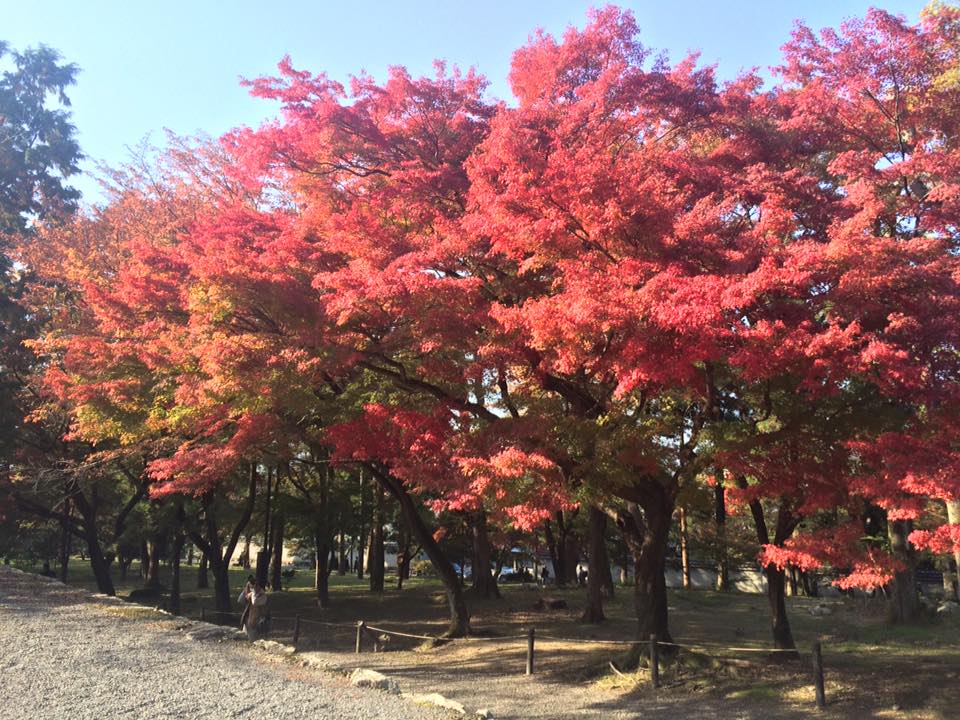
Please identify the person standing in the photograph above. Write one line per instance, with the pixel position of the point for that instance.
(244, 599)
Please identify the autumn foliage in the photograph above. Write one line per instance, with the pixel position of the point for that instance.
(598, 293)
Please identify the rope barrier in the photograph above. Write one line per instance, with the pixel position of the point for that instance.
(727, 649)
(594, 641)
(504, 638)
(400, 634)
(350, 626)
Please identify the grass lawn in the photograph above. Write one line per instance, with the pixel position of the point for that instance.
(873, 669)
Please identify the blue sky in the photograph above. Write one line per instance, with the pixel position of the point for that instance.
(154, 64)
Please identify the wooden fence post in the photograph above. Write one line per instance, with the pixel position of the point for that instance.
(818, 676)
(296, 629)
(530, 639)
(361, 626)
(654, 661)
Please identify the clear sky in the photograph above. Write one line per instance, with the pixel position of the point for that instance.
(154, 64)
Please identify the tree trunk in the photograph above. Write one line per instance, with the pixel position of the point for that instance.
(322, 576)
(66, 540)
(607, 586)
(216, 553)
(776, 588)
(684, 555)
(720, 516)
(571, 555)
(221, 585)
(144, 560)
(484, 584)
(263, 555)
(904, 605)
(953, 517)
(404, 555)
(342, 550)
(175, 572)
(650, 590)
(646, 535)
(203, 582)
(276, 569)
(362, 535)
(98, 563)
(597, 568)
(157, 547)
(459, 615)
(245, 553)
(262, 570)
(322, 539)
(776, 597)
(556, 555)
(794, 585)
(375, 562)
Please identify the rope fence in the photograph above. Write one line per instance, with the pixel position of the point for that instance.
(375, 634)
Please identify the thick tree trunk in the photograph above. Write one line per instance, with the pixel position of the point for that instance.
(203, 581)
(684, 555)
(459, 615)
(720, 516)
(484, 584)
(598, 567)
(322, 576)
(650, 590)
(221, 585)
(262, 570)
(276, 568)
(779, 623)
(646, 534)
(375, 563)
(98, 563)
(904, 604)
(157, 548)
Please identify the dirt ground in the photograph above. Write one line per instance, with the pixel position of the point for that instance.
(872, 670)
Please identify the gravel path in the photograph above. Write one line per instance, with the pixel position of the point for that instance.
(65, 654)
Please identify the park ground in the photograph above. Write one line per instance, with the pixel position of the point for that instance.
(873, 670)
